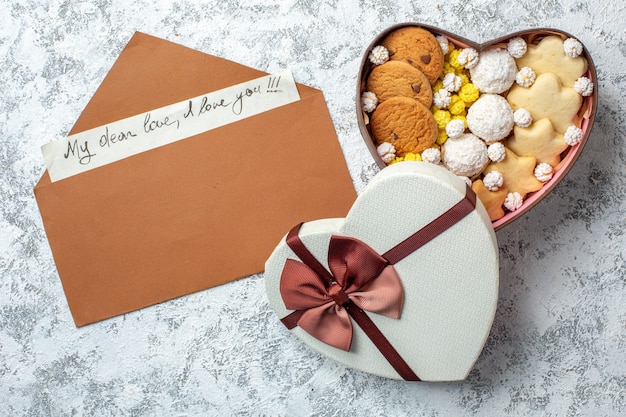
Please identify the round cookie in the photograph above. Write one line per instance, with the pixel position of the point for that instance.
(418, 47)
(405, 123)
(398, 78)
(495, 71)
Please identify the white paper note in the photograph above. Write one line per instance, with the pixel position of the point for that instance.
(118, 140)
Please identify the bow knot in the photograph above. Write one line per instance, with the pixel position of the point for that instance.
(358, 275)
(338, 294)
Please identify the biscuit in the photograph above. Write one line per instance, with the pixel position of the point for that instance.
(398, 78)
(495, 71)
(405, 123)
(549, 56)
(490, 118)
(539, 140)
(465, 155)
(518, 173)
(418, 47)
(492, 200)
(547, 98)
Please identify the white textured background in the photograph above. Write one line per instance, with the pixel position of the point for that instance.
(558, 344)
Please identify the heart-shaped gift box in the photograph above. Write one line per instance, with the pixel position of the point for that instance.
(584, 118)
(404, 287)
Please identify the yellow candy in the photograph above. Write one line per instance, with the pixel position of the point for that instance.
(454, 59)
(442, 137)
(464, 78)
(436, 145)
(410, 156)
(450, 48)
(442, 117)
(396, 159)
(460, 71)
(457, 106)
(469, 93)
(438, 86)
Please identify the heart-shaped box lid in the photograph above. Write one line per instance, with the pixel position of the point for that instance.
(586, 114)
(450, 283)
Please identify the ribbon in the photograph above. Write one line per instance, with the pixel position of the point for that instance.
(357, 274)
(359, 280)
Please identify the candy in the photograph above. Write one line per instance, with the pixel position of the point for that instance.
(379, 55)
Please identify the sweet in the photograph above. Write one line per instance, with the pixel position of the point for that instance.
(405, 123)
(495, 71)
(452, 82)
(572, 47)
(397, 78)
(441, 98)
(543, 172)
(573, 135)
(468, 57)
(386, 151)
(443, 42)
(496, 152)
(490, 118)
(431, 155)
(455, 128)
(522, 118)
(369, 101)
(417, 47)
(583, 86)
(547, 98)
(442, 118)
(379, 55)
(518, 173)
(548, 56)
(493, 181)
(457, 105)
(469, 93)
(517, 47)
(492, 200)
(525, 77)
(513, 201)
(539, 140)
(465, 155)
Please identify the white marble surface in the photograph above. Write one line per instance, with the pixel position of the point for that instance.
(558, 344)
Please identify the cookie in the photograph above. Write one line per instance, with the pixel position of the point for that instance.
(495, 71)
(549, 56)
(398, 78)
(405, 123)
(490, 118)
(518, 173)
(547, 98)
(418, 47)
(492, 200)
(539, 140)
(465, 155)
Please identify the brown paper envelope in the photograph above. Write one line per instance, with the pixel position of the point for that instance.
(195, 213)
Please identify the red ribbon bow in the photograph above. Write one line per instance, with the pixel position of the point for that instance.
(357, 274)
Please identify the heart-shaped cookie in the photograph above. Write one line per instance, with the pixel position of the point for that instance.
(416, 255)
(546, 55)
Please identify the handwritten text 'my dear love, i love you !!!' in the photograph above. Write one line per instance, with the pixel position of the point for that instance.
(84, 151)
(123, 138)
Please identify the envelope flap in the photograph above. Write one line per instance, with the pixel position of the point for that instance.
(152, 72)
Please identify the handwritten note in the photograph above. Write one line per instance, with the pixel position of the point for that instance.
(118, 140)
